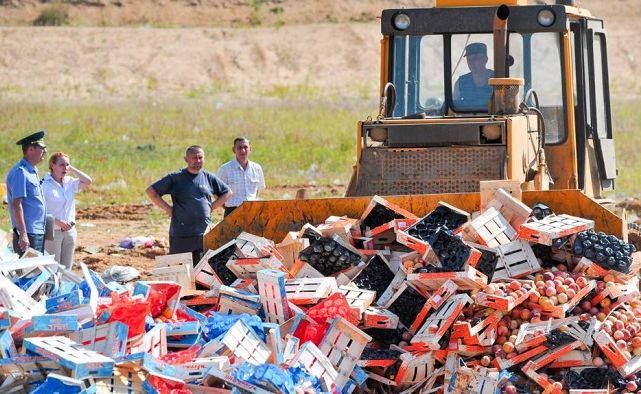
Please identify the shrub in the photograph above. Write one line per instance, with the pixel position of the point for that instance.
(52, 16)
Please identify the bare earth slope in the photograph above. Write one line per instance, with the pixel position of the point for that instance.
(325, 44)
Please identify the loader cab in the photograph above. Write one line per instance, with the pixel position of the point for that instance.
(558, 51)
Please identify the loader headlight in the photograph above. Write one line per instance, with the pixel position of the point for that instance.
(546, 17)
(378, 134)
(401, 21)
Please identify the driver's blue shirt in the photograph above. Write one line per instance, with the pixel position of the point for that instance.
(472, 96)
(23, 182)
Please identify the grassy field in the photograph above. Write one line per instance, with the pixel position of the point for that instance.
(126, 145)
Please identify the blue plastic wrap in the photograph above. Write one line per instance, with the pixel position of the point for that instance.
(55, 386)
(218, 324)
(273, 378)
(268, 376)
(103, 290)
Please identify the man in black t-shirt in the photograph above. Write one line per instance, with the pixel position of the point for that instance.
(195, 193)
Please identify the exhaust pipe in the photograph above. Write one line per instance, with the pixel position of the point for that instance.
(500, 41)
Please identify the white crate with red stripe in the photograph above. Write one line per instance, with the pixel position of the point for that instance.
(437, 324)
(546, 230)
(343, 344)
(107, 339)
(273, 296)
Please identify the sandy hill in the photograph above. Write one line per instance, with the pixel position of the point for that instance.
(128, 48)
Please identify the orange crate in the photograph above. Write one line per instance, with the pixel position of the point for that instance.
(623, 364)
(443, 318)
(559, 311)
(469, 279)
(504, 303)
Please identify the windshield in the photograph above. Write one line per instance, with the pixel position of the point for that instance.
(436, 74)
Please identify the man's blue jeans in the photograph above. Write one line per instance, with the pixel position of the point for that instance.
(36, 241)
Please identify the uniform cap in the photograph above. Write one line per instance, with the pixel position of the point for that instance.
(476, 48)
(36, 138)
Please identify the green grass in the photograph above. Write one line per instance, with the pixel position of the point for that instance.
(627, 135)
(298, 137)
(125, 146)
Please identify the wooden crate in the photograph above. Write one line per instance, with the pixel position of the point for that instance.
(243, 343)
(28, 370)
(358, 299)
(172, 260)
(545, 327)
(559, 311)
(396, 210)
(461, 379)
(573, 359)
(309, 291)
(80, 361)
(398, 304)
(619, 292)
(503, 303)
(434, 302)
(181, 274)
(443, 318)
(14, 298)
(342, 226)
(414, 368)
(126, 379)
(196, 369)
(290, 247)
(483, 333)
(153, 342)
(469, 279)
(248, 268)
(548, 229)
(376, 317)
(251, 245)
(206, 275)
(510, 206)
(271, 288)
(516, 260)
(489, 229)
(214, 375)
(343, 344)
(626, 366)
(316, 363)
(107, 339)
(392, 288)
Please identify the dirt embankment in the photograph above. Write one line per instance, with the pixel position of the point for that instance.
(216, 46)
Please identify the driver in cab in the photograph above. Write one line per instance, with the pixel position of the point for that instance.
(471, 90)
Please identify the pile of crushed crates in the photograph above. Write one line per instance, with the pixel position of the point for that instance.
(510, 299)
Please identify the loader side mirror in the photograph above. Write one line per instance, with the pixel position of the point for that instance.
(388, 101)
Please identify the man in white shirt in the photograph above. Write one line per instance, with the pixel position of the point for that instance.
(243, 176)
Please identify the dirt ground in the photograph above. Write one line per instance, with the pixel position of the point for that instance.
(178, 48)
(102, 228)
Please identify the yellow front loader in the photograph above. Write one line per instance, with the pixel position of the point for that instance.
(542, 119)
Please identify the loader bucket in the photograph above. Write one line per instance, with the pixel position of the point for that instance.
(274, 219)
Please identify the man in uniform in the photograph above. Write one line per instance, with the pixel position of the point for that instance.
(25, 197)
(471, 91)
